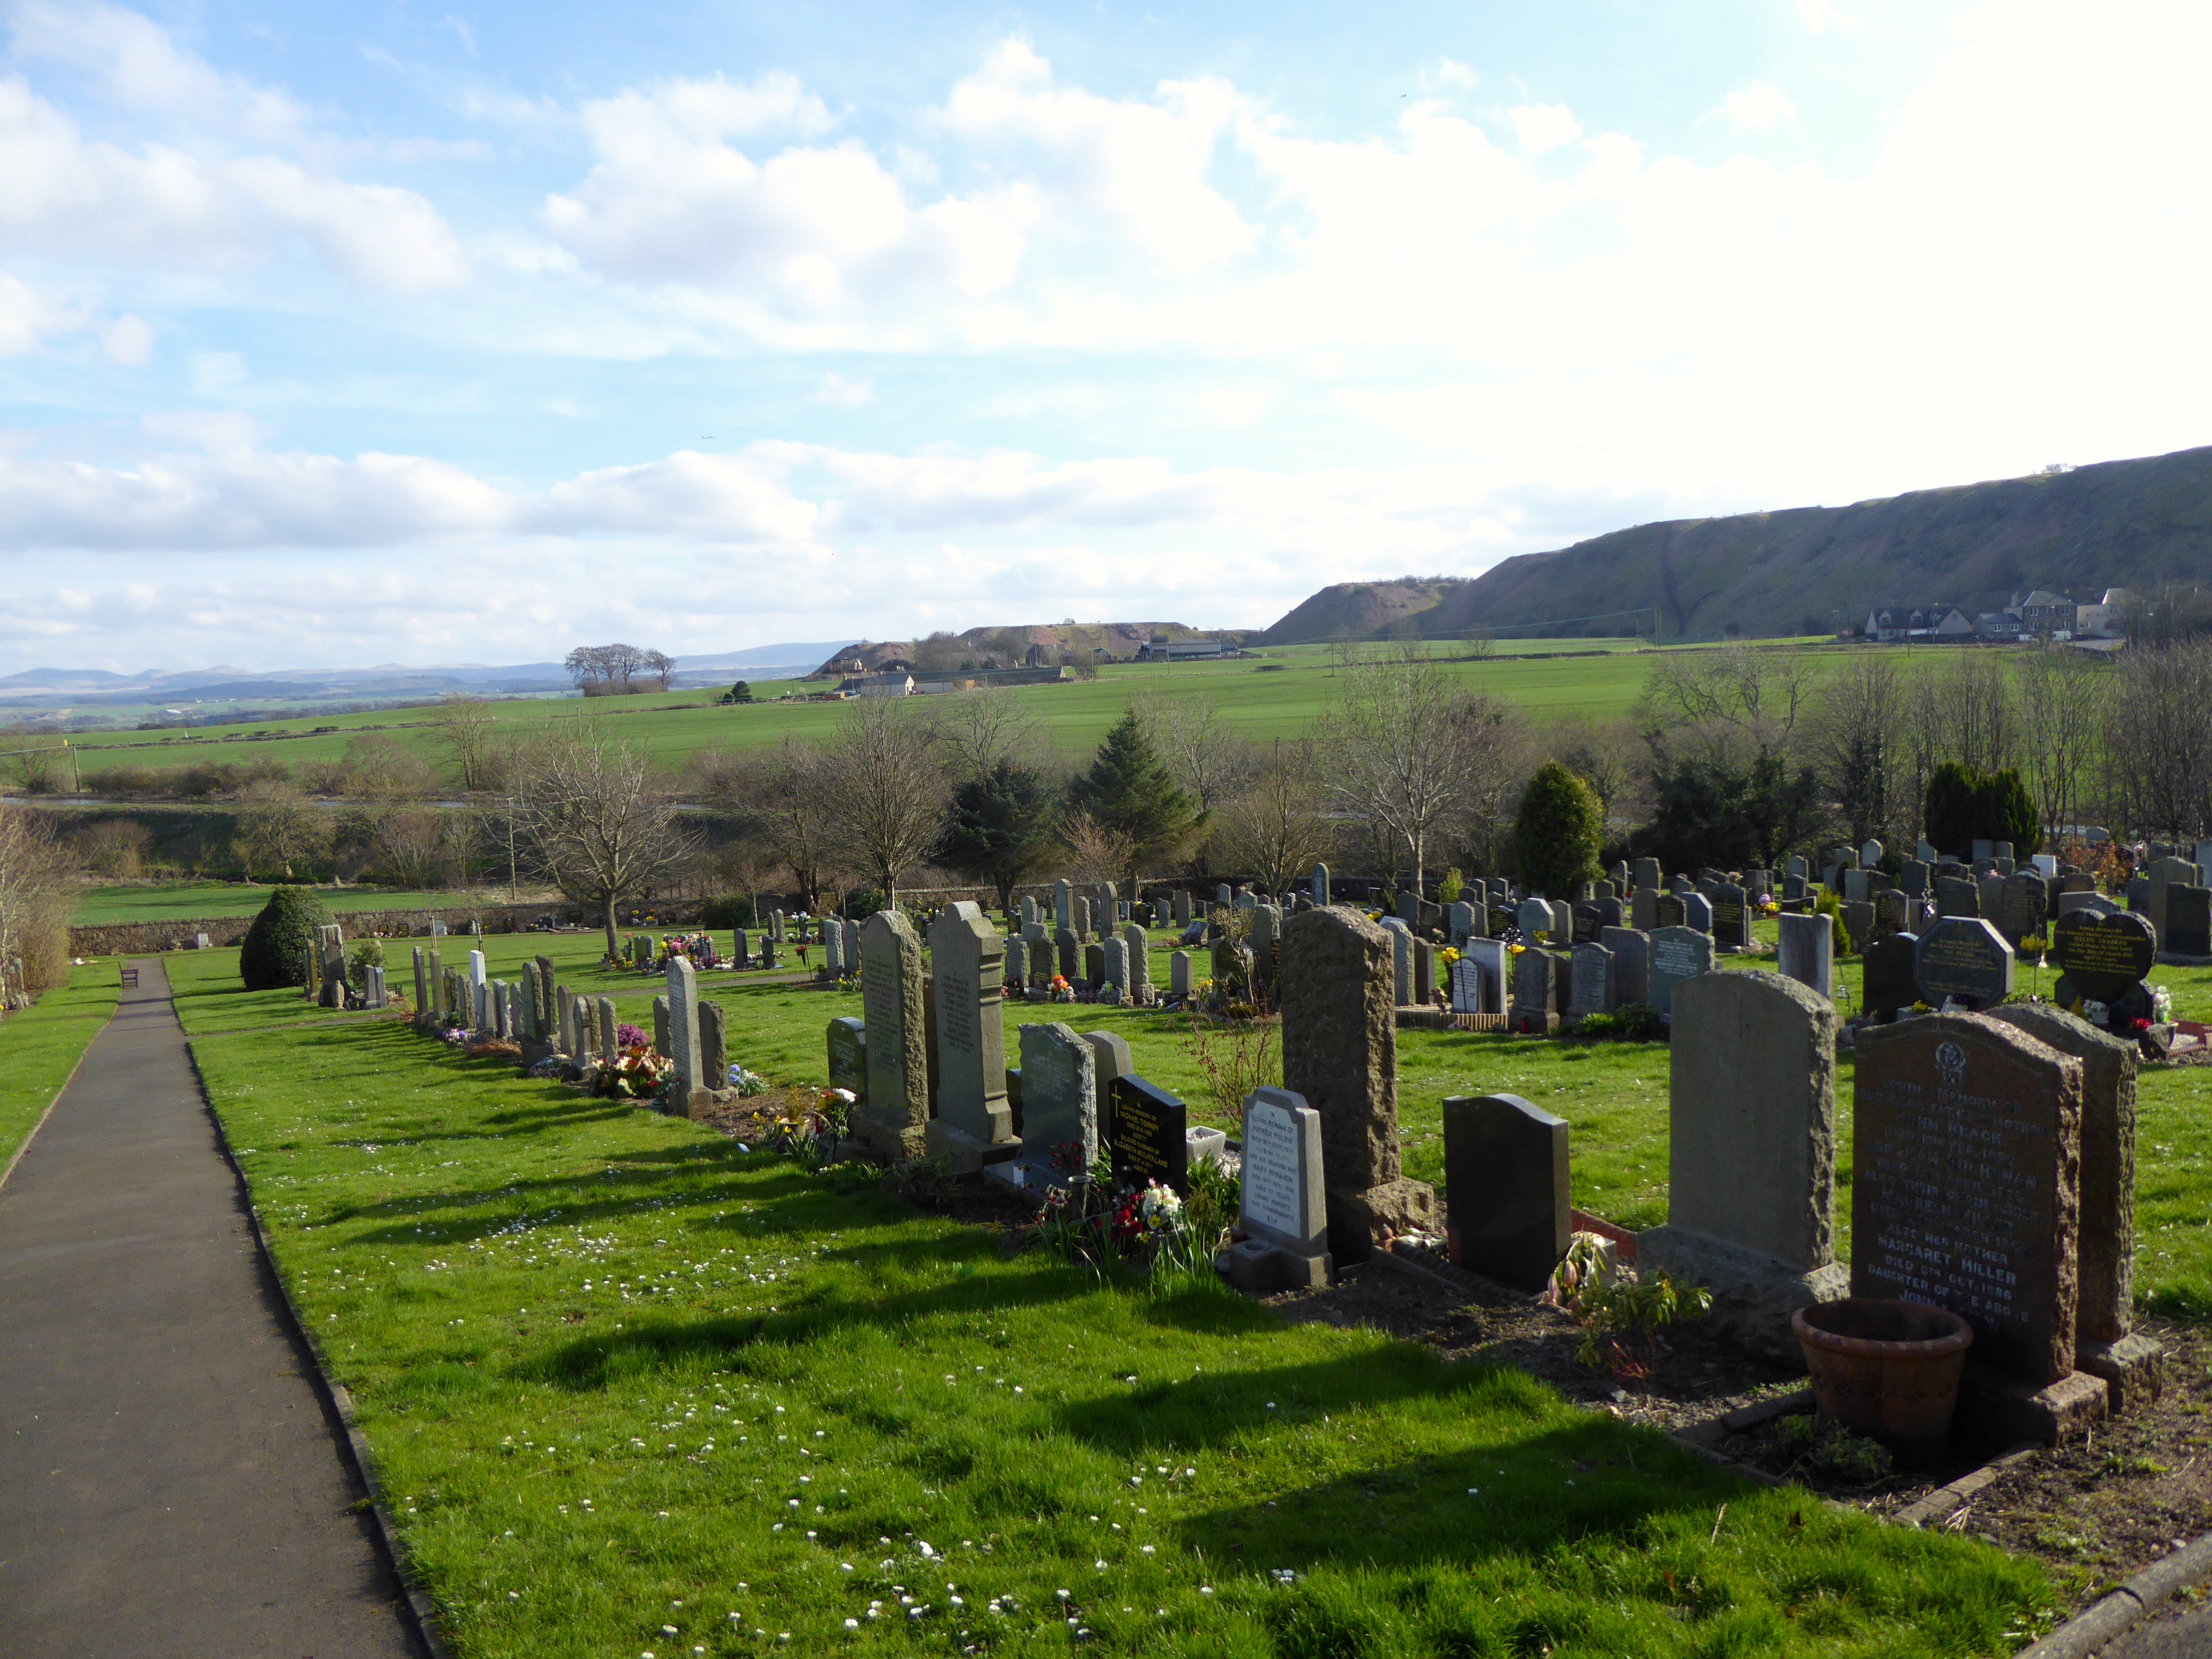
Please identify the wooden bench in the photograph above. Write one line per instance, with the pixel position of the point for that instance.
(130, 979)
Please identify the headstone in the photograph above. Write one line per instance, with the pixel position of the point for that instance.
(1462, 921)
(1958, 896)
(1631, 964)
(1925, 853)
(1964, 959)
(1179, 976)
(1150, 1137)
(1731, 917)
(1017, 959)
(1648, 873)
(1870, 854)
(1593, 991)
(1981, 852)
(847, 1041)
(1182, 907)
(1060, 1106)
(1913, 879)
(421, 984)
(1644, 908)
(1069, 951)
(1751, 1180)
(2105, 1344)
(1671, 911)
(1283, 1210)
(896, 1119)
(1678, 956)
(833, 965)
(683, 1027)
(2188, 933)
(1425, 974)
(1113, 969)
(1492, 959)
(662, 1042)
(1340, 1057)
(1139, 949)
(1063, 906)
(2104, 955)
(1319, 885)
(1806, 953)
(375, 986)
(1858, 923)
(2002, 849)
(1507, 1215)
(741, 949)
(714, 1041)
(1534, 917)
(1401, 960)
(1583, 928)
(1083, 929)
(2021, 905)
(1858, 886)
(1267, 932)
(1094, 965)
(1535, 992)
(1990, 891)
(1965, 1194)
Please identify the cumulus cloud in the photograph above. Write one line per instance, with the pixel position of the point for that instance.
(839, 393)
(1819, 16)
(1538, 129)
(137, 63)
(1757, 106)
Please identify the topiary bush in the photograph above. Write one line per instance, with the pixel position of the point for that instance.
(1964, 806)
(277, 947)
(1555, 835)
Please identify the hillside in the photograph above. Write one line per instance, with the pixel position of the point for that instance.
(1009, 647)
(1359, 610)
(1807, 570)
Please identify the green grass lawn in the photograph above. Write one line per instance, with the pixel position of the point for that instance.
(41, 1046)
(1280, 695)
(210, 901)
(633, 1392)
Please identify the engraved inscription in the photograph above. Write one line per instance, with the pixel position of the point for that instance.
(1271, 1188)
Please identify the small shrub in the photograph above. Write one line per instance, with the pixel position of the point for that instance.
(1621, 1318)
(1452, 885)
(366, 954)
(726, 912)
(278, 944)
(1826, 1447)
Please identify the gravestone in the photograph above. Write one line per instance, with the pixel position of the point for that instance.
(1016, 958)
(2104, 955)
(1648, 873)
(1182, 907)
(2021, 907)
(1990, 894)
(1179, 977)
(1063, 906)
(1094, 966)
(1113, 971)
(1858, 886)
(611, 1049)
(1584, 929)
(1283, 1207)
(1534, 917)
(1958, 896)
(1591, 980)
(1462, 921)
(1806, 953)
(1059, 1109)
(661, 1041)
(375, 986)
(1858, 923)
(1069, 951)
(1493, 959)
(1467, 988)
(422, 988)
(1084, 928)
(1631, 964)
(1698, 911)
(1149, 1136)
(1644, 908)
(1966, 1193)
(1671, 911)
(2164, 874)
(2188, 935)
(1401, 960)
(713, 1043)
(1507, 1214)
(1870, 854)
(1340, 1057)
(1981, 852)
(1963, 958)
(2105, 1343)
(684, 1029)
(1267, 932)
(1751, 1180)
(1320, 883)
(848, 1057)
(1731, 918)
(1678, 956)
(1535, 993)
(1110, 1060)
(973, 1123)
(1913, 879)
(895, 1121)
(1139, 950)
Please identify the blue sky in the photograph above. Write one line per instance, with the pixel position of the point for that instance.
(340, 335)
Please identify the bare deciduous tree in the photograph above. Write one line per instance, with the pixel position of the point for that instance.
(595, 820)
(34, 904)
(1602, 754)
(1853, 732)
(978, 729)
(2158, 740)
(276, 829)
(597, 668)
(462, 726)
(407, 844)
(1727, 707)
(1093, 852)
(887, 793)
(2067, 692)
(1275, 830)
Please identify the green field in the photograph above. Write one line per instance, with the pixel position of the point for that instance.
(634, 1391)
(1280, 696)
(212, 901)
(41, 1046)
(1613, 1096)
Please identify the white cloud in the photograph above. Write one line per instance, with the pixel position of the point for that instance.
(128, 340)
(839, 393)
(1234, 405)
(1448, 72)
(1819, 16)
(28, 316)
(139, 63)
(1538, 129)
(1756, 107)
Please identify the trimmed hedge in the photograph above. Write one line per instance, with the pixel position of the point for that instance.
(278, 947)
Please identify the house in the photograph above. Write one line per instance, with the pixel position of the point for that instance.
(1891, 622)
(1180, 650)
(2043, 612)
(898, 684)
(1996, 625)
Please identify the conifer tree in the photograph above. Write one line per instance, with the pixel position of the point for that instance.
(1129, 788)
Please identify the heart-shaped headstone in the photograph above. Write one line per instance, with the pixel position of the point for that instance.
(2103, 954)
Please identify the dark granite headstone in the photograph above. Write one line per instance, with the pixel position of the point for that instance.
(1890, 984)
(848, 1057)
(1507, 1214)
(1586, 923)
(1958, 896)
(1667, 912)
(2188, 921)
(1698, 912)
(1964, 959)
(1965, 1188)
(1731, 917)
(1889, 911)
(2104, 955)
(1149, 1136)
(1678, 954)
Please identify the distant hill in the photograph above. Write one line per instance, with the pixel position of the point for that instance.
(1808, 570)
(1009, 647)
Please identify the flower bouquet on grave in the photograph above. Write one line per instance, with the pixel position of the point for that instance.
(747, 1083)
(628, 1036)
(637, 1074)
(1059, 990)
(1448, 956)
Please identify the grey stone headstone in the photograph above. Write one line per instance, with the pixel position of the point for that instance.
(422, 984)
(1401, 960)
(896, 1118)
(847, 1042)
(1962, 958)
(1492, 959)
(1958, 896)
(1507, 1215)
(714, 1041)
(1806, 953)
(1678, 956)
(1644, 908)
(662, 1041)
(1913, 879)
(1965, 1184)
(1059, 1100)
(1068, 950)
(1536, 990)
(683, 1025)
(1859, 885)
(1116, 965)
(1283, 1208)
(1137, 948)
(1063, 905)
(1981, 852)
(1592, 981)
(1110, 1060)
(1698, 911)
(1648, 873)
(1018, 962)
(1751, 1182)
(1179, 974)
(2188, 920)
(1631, 963)
(1320, 883)
(609, 1047)
(1870, 854)
(1182, 907)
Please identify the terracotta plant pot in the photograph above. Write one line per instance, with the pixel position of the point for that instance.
(1887, 1370)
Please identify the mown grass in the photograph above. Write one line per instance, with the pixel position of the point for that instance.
(633, 1391)
(41, 1046)
(1612, 1095)
(1280, 696)
(210, 901)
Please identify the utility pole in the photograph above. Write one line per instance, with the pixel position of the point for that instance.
(512, 897)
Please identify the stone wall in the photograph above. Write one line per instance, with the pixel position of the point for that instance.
(142, 937)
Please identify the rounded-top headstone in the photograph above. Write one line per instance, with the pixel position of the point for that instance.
(2104, 953)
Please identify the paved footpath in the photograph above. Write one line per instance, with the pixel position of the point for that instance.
(171, 1482)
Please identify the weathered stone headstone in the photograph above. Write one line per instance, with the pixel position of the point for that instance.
(848, 1040)
(2104, 954)
(684, 1029)
(1644, 908)
(714, 1045)
(1507, 1212)
(1283, 1210)
(1958, 896)
(1648, 873)
(1592, 981)
(1631, 964)
(373, 989)
(1401, 960)
(2165, 873)
(896, 1119)
(1751, 1182)
(1113, 971)
(609, 1048)
(1340, 1057)
(422, 986)
(1060, 1108)
(1534, 917)
(1016, 961)
(1698, 912)
(2104, 1341)
(1182, 907)
(1109, 1061)
(1137, 948)
(1678, 956)
(1806, 953)
(1492, 959)
(1535, 992)
(1150, 1135)
(1179, 974)
(1671, 911)
(1467, 988)
(1462, 921)
(1068, 950)
(662, 1041)
(1965, 959)
(1889, 912)
(1966, 1193)
(1319, 887)
(2188, 935)
(1858, 886)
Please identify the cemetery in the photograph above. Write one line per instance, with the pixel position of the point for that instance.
(1088, 1260)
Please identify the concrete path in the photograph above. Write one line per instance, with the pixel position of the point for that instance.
(2177, 1631)
(171, 1482)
